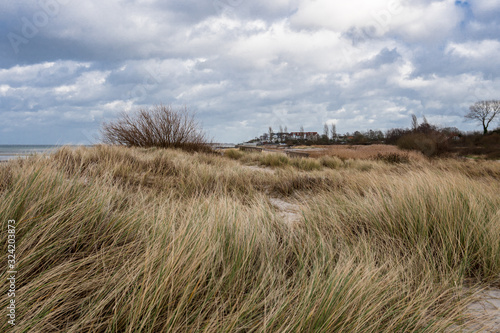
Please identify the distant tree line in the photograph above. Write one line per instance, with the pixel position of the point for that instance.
(429, 139)
(433, 140)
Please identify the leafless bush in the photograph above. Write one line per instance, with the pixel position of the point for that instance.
(160, 126)
(430, 144)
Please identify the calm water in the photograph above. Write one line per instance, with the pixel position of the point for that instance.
(8, 152)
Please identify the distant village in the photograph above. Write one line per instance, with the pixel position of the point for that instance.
(329, 136)
(283, 137)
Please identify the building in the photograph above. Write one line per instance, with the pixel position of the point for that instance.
(284, 136)
(304, 136)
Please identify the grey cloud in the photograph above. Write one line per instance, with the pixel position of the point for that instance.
(385, 56)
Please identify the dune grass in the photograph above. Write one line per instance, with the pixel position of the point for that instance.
(112, 239)
(365, 152)
(277, 160)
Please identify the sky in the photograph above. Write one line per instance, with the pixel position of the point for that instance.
(67, 66)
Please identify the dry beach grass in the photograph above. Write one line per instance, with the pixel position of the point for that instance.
(363, 152)
(114, 239)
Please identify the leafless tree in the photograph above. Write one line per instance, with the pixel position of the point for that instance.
(326, 131)
(333, 131)
(414, 123)
(484, 112)
(270, 134)
(159, 126)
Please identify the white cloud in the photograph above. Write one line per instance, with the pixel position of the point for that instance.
(478, 50)
(428, 22)
(24, 73)
(339, 15)
(4, 88)
(420, 20)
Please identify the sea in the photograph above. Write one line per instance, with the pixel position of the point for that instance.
(8, 152)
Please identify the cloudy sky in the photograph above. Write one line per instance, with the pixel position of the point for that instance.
(243, 65)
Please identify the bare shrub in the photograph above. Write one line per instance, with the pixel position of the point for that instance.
(430, 144)
(160, 126)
